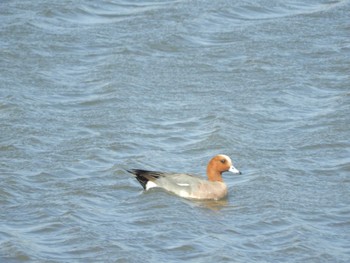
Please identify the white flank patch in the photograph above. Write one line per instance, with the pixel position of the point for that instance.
(150, 185)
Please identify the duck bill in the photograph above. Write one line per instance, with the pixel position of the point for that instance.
(234, 170)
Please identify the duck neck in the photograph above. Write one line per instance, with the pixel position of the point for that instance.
(214, 175)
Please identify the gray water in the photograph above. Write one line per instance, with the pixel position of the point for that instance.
(91, 88)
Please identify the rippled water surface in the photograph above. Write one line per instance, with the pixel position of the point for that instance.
(91, 88)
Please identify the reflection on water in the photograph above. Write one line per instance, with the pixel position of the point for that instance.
(215, 205)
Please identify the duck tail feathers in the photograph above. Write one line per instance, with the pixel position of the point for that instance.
(143, 176)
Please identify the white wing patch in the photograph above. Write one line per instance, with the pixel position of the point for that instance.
(183, 184)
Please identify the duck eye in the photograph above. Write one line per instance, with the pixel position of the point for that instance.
(223, 161)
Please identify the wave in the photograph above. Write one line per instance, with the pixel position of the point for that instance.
(270, 10)
(110, 12)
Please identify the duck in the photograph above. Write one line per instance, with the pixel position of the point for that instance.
(187, 185)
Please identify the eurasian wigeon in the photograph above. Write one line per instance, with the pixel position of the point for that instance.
(189, 186)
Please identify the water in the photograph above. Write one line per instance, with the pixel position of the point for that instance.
(90, 89)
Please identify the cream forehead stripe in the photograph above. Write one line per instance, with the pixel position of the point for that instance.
(226, 157)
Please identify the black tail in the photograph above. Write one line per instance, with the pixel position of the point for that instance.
(143, 176)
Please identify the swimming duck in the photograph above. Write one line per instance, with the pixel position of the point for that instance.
(190, 186)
